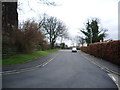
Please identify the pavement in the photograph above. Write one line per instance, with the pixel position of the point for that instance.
(103, 63)
(63, 69)
(112, 69)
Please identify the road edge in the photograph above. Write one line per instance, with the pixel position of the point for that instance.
(30, 68)
(109, 71)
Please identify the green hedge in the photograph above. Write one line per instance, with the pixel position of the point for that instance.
(107, 50)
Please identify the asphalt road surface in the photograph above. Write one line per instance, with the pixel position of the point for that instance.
(66, 70)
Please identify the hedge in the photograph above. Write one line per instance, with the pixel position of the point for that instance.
(106, 50)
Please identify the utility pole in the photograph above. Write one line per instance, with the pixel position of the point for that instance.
(90, 35)
(119, 20)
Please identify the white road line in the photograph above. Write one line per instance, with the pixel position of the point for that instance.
(102, 67)
(108, 70)
(27, 69)
(115, 79)
(49, 61)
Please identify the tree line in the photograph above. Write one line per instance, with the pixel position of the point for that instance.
(32, 36)
(42, 35)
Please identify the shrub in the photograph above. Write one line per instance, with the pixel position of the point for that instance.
(25, 40)
(106, 50)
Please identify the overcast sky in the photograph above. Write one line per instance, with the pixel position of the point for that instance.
(74, 13)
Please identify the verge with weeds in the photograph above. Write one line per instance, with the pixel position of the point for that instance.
(22, 58)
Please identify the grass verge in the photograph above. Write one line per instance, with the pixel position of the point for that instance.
(21, 58)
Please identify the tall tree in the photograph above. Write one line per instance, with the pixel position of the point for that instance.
(93, 32)
(9, 20)
(52, 28)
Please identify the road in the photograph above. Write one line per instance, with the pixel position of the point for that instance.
(66, 70)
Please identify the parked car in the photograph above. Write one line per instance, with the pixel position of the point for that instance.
(74, 49)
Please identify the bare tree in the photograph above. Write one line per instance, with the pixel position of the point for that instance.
(48, 3)
(81, 40)
(64, 36)
(52, 28)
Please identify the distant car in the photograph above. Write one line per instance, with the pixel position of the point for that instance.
(74, 49)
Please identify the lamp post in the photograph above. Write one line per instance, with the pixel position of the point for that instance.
(90, 35)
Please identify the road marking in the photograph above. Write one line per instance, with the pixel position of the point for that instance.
(47, 62)
(28, 69)
(115, 79)
(108, 70)
(101, 66)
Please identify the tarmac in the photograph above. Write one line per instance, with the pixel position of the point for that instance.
(104, 64)
(112, 69)
(27, 65)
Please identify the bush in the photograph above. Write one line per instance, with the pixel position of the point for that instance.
(28, 37)
(25, 40)
(106, 50)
